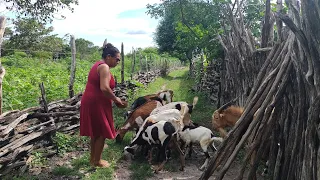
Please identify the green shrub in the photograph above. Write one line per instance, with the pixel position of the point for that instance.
(20, 54)
(42, 54)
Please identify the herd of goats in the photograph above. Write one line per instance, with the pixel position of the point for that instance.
(159, 123)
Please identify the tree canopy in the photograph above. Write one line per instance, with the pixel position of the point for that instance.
(189, 27)
(42, 10)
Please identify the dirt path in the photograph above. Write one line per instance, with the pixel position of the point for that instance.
(191, 171)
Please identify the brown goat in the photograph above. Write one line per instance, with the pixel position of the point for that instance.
(164, 96)
(136, 118)
(226, 118)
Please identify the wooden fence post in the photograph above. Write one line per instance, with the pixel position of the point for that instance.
(122, 64)
(147, 67)
(2, 70)
(105, 42)
(73, 65)
(140, 60)
(133, 61)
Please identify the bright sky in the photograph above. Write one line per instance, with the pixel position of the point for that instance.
(117, 20)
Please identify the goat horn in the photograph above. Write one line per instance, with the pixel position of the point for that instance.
(227, 104)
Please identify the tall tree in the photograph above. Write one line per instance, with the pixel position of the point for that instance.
(28, 34)
(84, 47)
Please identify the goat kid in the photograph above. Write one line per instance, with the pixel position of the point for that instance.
(200, 135)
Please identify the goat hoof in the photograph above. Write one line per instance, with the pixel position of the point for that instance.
(181, 168)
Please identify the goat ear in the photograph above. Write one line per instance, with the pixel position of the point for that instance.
(178, 106)
(164, 97)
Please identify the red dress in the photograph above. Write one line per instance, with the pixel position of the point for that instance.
(96, 116)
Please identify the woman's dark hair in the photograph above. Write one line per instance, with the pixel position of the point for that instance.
(110, 50)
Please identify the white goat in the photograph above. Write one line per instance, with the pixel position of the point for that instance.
(184, 107)
(201, 135)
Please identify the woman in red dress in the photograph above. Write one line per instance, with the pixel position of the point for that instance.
(96, 117)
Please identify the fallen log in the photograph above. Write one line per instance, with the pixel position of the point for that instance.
(21, 141)
(13, 124)
(13, 155)
(12, 117)
(52, 114)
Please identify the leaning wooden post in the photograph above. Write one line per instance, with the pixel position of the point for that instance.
(73, 66)
(122, 64)
(43, 99)
(2, 70)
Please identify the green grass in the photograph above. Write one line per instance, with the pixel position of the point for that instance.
(65, 171)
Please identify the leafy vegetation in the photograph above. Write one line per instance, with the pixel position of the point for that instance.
(43, 10)
(24, 74)
(190, 27)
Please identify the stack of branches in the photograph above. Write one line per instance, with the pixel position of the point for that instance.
(31, 129)
(23, 132)
(285, 103)
(147, 77)
(242, 60)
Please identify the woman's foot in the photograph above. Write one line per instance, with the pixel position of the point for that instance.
(102, 163)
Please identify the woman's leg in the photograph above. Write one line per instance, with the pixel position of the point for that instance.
(99, 144)
(92, 150)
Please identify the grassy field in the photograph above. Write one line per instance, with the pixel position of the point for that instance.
(180, 84)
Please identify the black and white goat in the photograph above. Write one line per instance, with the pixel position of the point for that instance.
(201, 135)
(158, 130)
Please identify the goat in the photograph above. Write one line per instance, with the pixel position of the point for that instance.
(179, 105)
(201, 135)
(136, 118)
(164, 97)
(227, 116)
(158, 130)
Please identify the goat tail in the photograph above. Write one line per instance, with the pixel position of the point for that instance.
(215, 139)
(195, 100)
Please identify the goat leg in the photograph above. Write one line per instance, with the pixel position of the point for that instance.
(181, 154)
(190, 150)
(160, 167)
(206, 161)
(223, 133)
